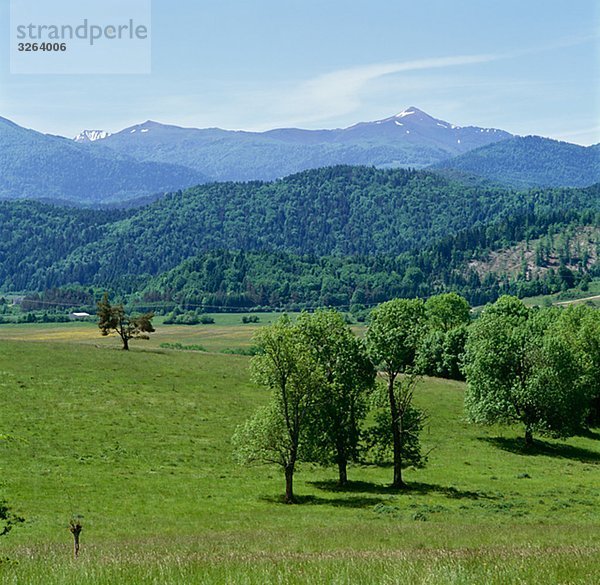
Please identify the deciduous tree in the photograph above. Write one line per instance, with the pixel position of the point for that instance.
(519, 371)
(580, 326)
(379, 437)
(333, 434)
(442, 350)
(447, 311)
(393, 338)
(286, 367)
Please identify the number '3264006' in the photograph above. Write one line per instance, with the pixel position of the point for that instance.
(46, 47)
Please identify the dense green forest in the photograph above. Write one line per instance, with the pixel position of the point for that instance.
(228, 279)
(343, 236)
(34, 236)
(232, 279)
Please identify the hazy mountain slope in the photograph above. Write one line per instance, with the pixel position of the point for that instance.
(530, 161)
(39, 166)
(411, 138)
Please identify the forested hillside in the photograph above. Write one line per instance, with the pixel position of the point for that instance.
(341, 236)
(34, 236)
(531, 161)
(233, 279)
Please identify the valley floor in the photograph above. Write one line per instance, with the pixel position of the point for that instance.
(138, 444)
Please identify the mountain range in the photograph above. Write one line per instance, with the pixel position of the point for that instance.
(149, 159)
(41, 166)
(411, 138)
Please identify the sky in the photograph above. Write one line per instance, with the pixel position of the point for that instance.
(525, 66)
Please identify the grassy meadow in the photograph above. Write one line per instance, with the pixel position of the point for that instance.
(590, 296)
(227, 333)
(138, 444)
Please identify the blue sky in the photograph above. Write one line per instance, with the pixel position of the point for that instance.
(526, 66)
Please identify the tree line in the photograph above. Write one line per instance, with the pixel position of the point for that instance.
(537, 367)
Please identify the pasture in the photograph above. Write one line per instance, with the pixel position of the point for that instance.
(138, 444)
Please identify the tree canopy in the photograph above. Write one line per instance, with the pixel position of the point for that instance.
(334, 431)
(519, 370)
(114, 318)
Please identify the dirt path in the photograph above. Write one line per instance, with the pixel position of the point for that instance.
(595, 297)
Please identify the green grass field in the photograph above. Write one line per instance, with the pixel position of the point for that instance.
(227, 332)
(138, 443)
(572, 296)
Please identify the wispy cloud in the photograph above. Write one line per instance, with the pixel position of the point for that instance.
(338, 93)
(455, 87)
(585, 136)
(562, 43)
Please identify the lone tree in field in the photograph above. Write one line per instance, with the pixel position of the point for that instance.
(393, 339)
(520, 371)
(274, 434)
(75, 528)
(333, 433)
(114, 318)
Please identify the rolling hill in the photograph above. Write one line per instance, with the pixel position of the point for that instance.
(364, 217)
(530, 161)
(339, 210)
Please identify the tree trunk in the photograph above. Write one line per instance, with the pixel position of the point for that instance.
(398, 482)
(528, 437)
(289, 483)
(125, 343)
(76, 545)
(343, 472)
(75, 529)
(342, 461)
(397, 435)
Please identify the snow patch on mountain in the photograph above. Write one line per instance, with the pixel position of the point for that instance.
(91, 136)
(405, 113)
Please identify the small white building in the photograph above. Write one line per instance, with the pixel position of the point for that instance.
(76, 316)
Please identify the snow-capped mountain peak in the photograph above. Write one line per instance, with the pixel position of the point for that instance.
(409, 112)
(91, 136)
